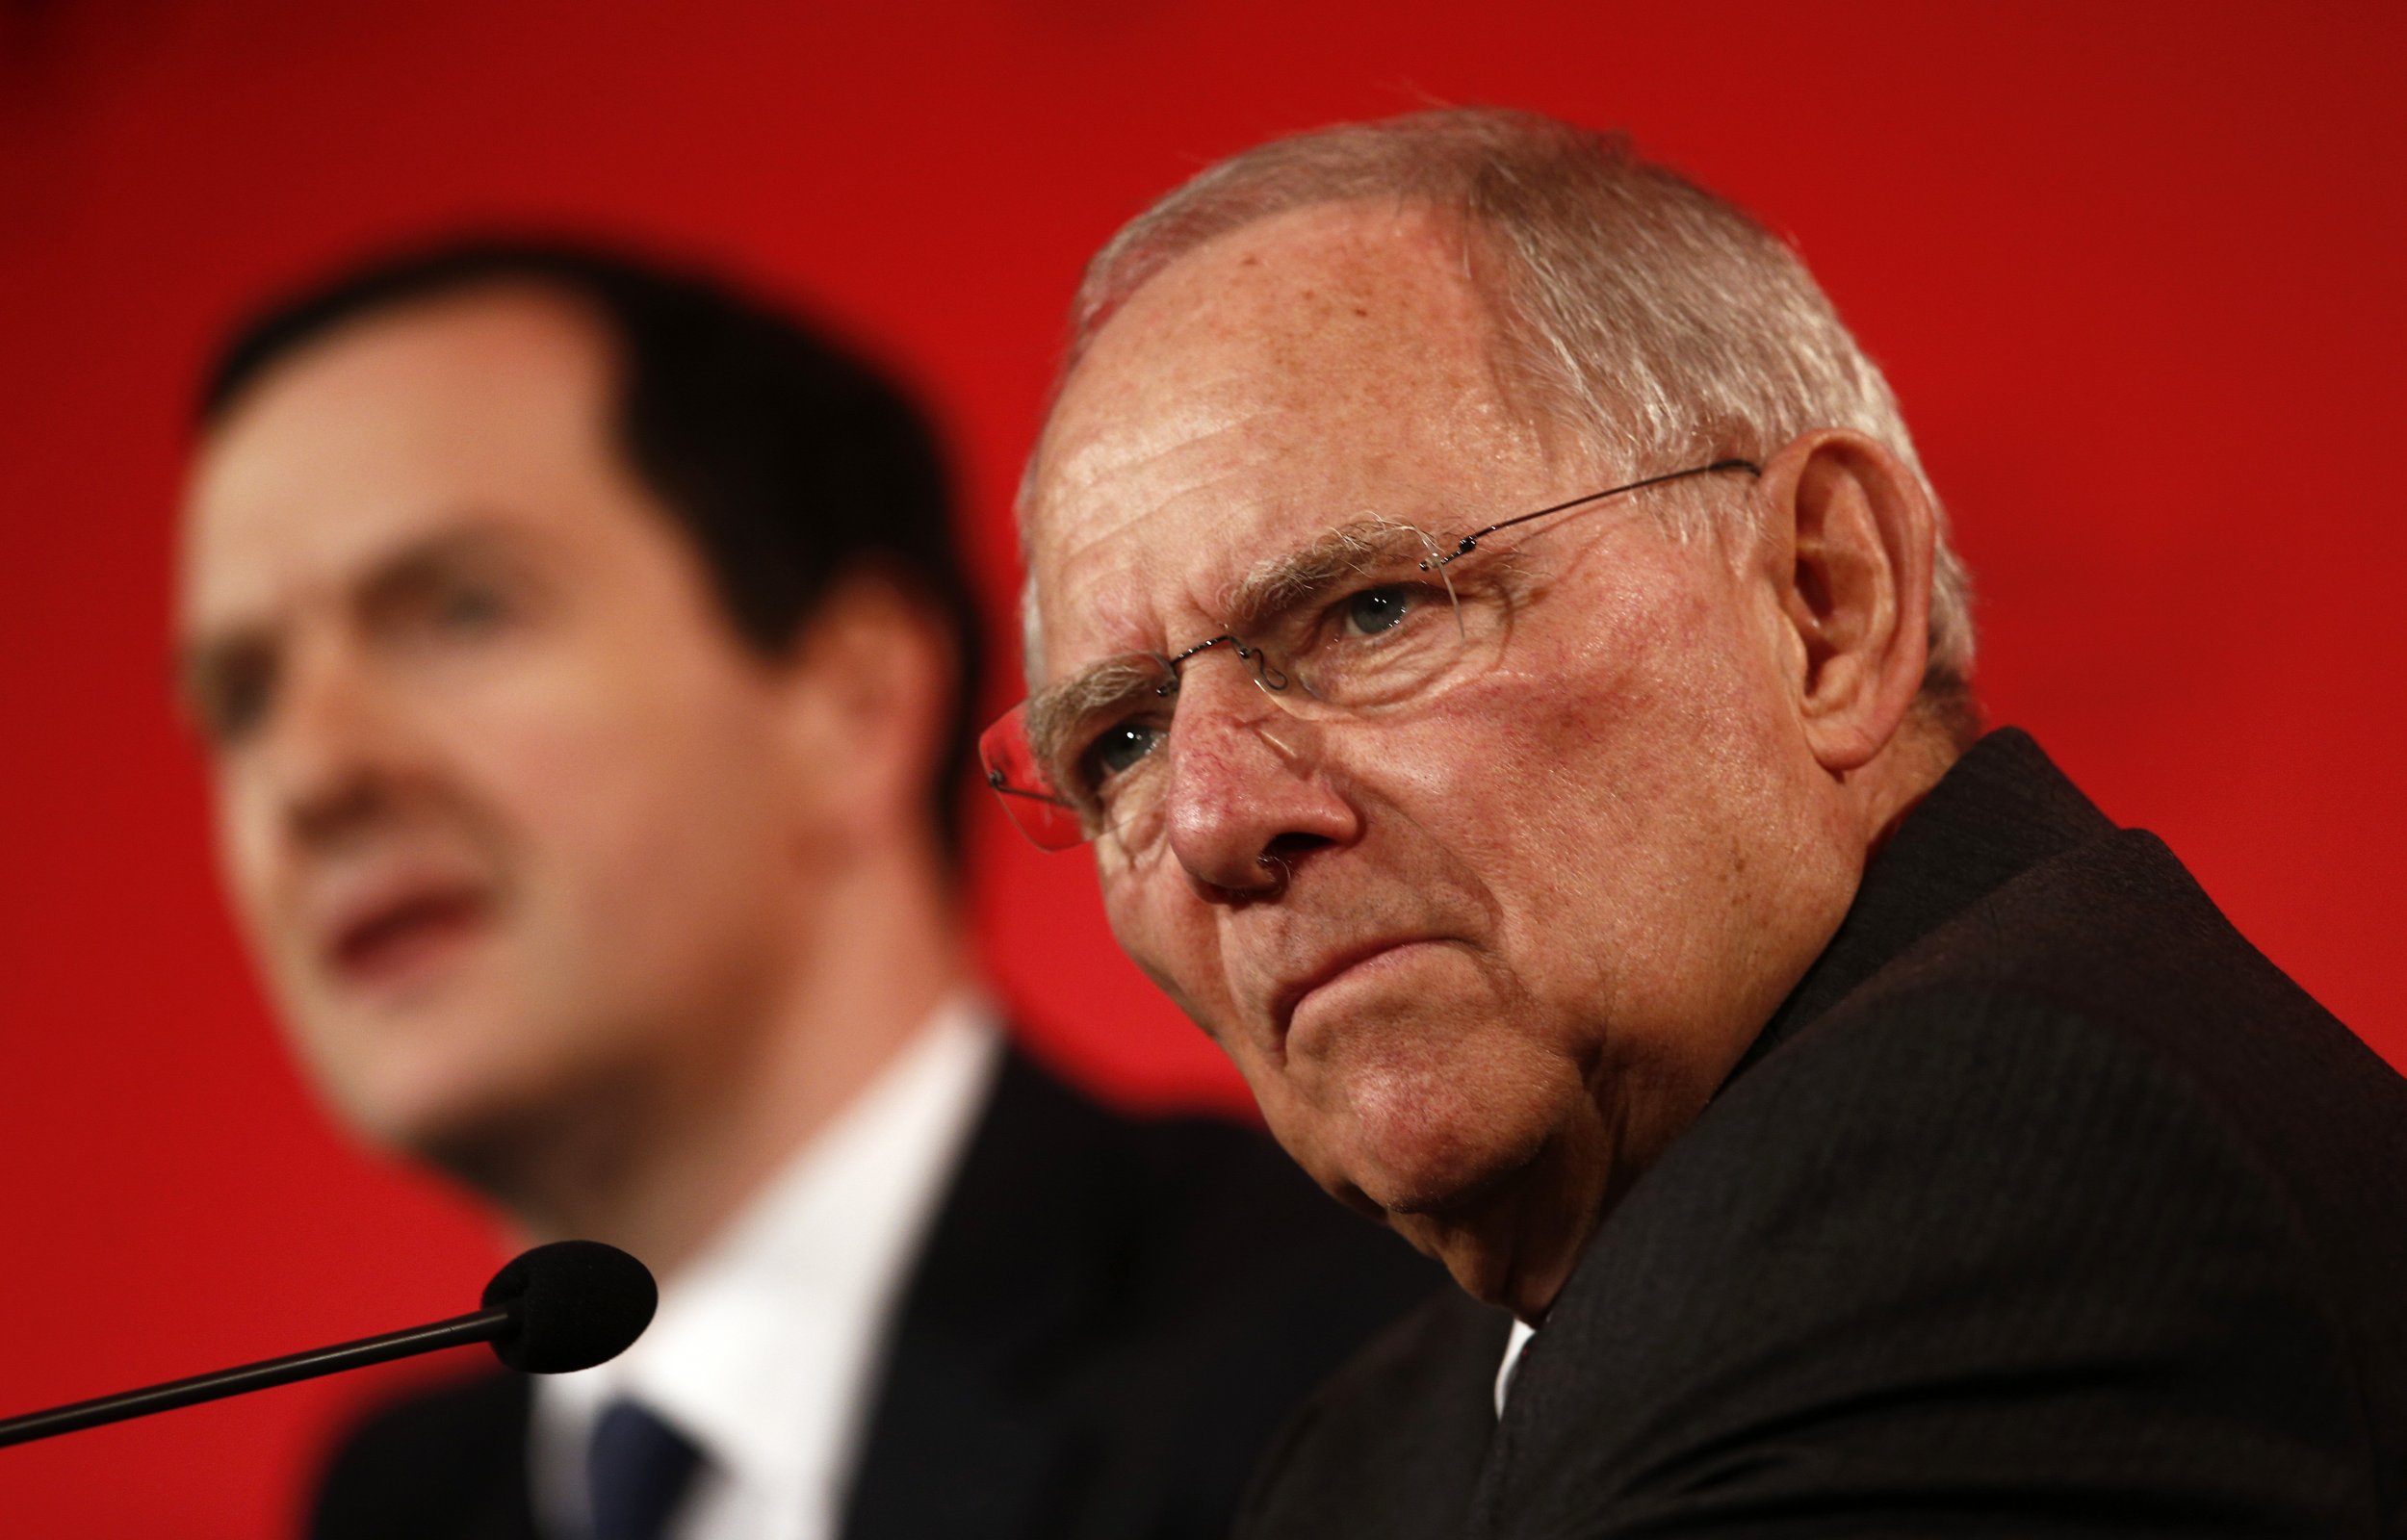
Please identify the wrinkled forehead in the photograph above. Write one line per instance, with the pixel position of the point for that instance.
(1316, 370)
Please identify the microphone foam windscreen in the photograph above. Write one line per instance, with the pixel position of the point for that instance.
(578, 1303)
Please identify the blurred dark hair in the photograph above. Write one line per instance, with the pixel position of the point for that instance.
(789, 462)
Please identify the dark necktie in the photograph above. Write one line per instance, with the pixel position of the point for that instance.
(635, 1470)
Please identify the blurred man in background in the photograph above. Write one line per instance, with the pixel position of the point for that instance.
(585, 665)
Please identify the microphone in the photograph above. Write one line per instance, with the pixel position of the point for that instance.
(565, 1306)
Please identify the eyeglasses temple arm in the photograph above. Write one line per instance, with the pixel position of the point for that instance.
(1470, 542)
(1000, 784)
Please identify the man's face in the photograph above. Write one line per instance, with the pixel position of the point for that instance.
(503, 803)
(1526, 924)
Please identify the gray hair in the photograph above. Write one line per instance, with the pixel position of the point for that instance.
(1660, 322)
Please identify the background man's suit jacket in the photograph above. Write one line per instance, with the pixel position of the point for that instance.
(1108, 1322)
(2045, 1205)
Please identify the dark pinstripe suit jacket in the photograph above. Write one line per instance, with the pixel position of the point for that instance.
(2045, 1205)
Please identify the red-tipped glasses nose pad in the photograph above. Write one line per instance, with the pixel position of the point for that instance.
(1027, 792)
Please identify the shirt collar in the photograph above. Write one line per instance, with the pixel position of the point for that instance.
(765, 1342)
(1522, 1332)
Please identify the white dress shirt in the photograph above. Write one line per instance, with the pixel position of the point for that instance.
(763, 1353)
(1522, 1332)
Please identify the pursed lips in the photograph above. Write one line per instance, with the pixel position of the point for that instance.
(1329, 968)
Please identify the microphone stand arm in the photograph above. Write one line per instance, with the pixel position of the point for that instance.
(483, 1325)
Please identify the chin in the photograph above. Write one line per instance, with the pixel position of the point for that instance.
(1480, 1270)
(1430, 1135)
(1510, 1236)
(426, 1086)
(420, 1110)
(500, 1135)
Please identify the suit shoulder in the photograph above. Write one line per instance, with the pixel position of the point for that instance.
(1961, 1242)
(2103, 1012)
(1390, 1445)
(1218, 1191)
(1238, 1206)
(2118, 934)
(1896, 1103)
(429, 1462)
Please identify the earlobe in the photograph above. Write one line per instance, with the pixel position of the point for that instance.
(1848, 545)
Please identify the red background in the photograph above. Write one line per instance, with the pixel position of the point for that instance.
(2134, 270)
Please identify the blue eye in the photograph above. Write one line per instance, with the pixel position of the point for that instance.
(1374, 610)
(1121, 745)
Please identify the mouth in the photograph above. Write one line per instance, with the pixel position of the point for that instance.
(402, 937)
(1355, 962)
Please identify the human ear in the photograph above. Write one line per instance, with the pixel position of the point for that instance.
(1847, 532)
(867, 694)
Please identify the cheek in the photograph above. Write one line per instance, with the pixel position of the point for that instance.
(1645, 707)
(1157, 926)
(639, 807)
(1604, 685)
(256, 867)
(1597, 785)
(246, 845)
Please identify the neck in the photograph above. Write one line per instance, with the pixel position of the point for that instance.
(1907, 769)
(663, 1153)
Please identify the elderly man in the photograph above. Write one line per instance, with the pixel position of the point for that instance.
(584, 666)
(1487, 616)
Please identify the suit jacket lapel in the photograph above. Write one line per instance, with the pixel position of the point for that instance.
(1015, 1264)
(504, 1508)
(449, 1461)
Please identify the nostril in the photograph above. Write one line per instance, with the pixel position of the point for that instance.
(1287, 847)
(1280, 856)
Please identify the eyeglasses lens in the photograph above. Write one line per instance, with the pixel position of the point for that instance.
(1027, 792)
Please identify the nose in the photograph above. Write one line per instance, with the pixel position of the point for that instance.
(1246, 802)
(334, 751)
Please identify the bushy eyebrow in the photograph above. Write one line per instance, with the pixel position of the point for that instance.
(1054, 713)
(1274, 585)
(1279, 583)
